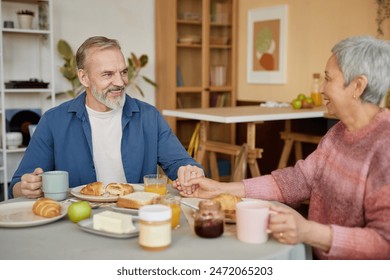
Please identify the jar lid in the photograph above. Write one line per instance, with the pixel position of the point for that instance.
(155, 213)
(209, 205)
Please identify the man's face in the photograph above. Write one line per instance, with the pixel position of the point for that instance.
(105, 78)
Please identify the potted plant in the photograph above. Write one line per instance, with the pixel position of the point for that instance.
(25, 19)
(382, 14)
(69, 70)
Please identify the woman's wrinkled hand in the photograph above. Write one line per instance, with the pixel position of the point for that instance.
(287, 225)
(205, 188)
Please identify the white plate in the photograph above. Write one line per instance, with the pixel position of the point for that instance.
(19, 214)
(94, 198)
(125, 210)
(87, 225)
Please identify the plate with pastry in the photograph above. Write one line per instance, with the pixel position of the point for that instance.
(31, 213)
(111, 224)
(98, 192)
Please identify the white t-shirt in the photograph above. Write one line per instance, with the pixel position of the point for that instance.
(106, 145)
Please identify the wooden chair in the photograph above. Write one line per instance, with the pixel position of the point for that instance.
(296, 139)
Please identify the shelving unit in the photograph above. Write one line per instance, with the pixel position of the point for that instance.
(194, 40)
(24, 54)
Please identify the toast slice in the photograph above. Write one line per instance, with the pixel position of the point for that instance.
(136, 199)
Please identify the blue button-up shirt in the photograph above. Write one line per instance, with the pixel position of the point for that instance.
(63, 141)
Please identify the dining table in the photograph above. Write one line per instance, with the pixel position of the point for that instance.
(251, 115)
(63, 239)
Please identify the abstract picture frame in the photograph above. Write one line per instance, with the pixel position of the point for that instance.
(267, 45)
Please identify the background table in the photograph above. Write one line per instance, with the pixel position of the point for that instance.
(64, 240)
(250, 115)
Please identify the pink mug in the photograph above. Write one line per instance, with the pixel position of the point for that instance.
(252, 221)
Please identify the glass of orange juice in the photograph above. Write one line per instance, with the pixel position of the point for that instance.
(174, 203)
(156, 183)
(175, 206)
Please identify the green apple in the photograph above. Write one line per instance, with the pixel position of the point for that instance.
(307, 103)
(310, 100)
(79, 210)
(301, 96)
(296, 103)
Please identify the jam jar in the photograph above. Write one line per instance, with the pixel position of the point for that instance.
(209, 219)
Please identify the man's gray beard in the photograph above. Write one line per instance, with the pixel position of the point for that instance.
(115, 104)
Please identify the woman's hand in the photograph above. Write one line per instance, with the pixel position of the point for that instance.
(30, 185)
(208, 188)
(289, 227)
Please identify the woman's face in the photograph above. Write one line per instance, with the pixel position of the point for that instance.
(337, 97)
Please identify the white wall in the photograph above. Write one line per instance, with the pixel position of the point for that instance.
(131, 22)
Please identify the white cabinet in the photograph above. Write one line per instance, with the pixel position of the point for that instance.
(25, 55)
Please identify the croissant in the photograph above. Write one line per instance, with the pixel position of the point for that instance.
(46, 207)
(119, 189)
(95, 188)
(228, 204)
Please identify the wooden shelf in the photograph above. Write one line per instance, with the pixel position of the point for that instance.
(189, 65)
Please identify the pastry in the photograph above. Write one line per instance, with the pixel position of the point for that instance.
(95, 188)
(136, 200)
(46, 207)
(119, 189)
(228, 204)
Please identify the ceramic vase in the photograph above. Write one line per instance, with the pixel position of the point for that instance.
(25, 21)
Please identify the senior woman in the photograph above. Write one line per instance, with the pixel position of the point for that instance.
(347, 178)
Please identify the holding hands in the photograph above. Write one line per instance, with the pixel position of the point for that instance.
(184, 176)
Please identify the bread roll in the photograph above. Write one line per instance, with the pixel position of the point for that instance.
(228, 204)
(119, 189)
(47, 208)
(136, 200)
(95, 188)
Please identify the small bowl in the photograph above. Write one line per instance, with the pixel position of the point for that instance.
(14, 139)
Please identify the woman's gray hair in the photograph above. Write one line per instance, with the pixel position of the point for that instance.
(367, 56)
(99, 42)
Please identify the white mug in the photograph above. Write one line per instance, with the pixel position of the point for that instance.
(55, 184)
(252, 221)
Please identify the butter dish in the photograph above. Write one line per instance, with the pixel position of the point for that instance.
(87, 225)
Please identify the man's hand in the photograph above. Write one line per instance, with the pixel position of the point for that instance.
(30, 185)
(184, 174)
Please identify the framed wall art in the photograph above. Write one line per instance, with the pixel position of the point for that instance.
(267, 50)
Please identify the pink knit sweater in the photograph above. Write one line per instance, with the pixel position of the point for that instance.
(347, 179)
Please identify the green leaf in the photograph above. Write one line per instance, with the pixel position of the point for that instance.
(65, 50)
(149, 81)
(131, 64)
(144, 60)
(140, 90)
(135, 60)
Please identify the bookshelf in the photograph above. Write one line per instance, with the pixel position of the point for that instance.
(196, 61)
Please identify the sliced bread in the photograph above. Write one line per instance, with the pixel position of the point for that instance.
(136, 200)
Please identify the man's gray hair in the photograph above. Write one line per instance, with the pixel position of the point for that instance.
(99, 42)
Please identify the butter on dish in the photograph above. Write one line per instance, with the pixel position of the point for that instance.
(113, 222)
